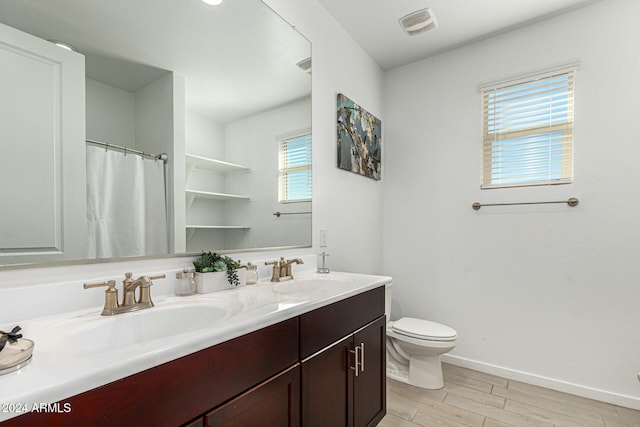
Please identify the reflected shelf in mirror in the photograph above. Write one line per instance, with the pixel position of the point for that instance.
(191, 229)
(205, 163)
(214, 195)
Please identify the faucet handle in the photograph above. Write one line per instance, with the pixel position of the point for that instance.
(110, 296)
(275, 273)
(111, 284)
(145, 292)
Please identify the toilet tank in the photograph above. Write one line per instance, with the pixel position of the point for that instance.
(387, 300)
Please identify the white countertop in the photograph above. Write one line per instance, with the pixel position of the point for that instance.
(60, 368)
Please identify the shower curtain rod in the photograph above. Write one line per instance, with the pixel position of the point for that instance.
(162, 156)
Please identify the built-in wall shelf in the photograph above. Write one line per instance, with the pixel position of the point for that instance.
(218, 227)
(205, 163)
(200, 173)
(213, 195)
(191, 229)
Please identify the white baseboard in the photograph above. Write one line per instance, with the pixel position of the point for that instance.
(546, 382)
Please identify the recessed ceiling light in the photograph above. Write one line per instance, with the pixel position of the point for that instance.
(212, 2)
(418, 22)
(305, 65)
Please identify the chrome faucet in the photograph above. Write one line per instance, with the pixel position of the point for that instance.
(129, 300)
(282, 269)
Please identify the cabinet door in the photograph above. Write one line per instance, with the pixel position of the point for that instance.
(276, 402)
(42, 150)
(325, 387)
(369, 394)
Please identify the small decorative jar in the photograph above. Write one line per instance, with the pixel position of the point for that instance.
(186, 283)
(252, 273)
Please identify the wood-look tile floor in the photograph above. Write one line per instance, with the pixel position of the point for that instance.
(475, 399)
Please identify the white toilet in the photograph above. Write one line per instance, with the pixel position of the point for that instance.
(414, 347)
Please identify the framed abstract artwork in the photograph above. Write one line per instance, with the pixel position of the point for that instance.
(359, 139)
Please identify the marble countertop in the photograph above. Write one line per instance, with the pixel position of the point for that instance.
(64, 364)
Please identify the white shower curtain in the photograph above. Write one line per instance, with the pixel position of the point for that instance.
(126, 209)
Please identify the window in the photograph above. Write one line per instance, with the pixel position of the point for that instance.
(527, 130)
(295, 168)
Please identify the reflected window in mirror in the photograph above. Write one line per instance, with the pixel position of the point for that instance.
(295, 168)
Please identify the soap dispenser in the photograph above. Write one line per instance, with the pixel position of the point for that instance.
(323, 269)
(252, 273)
(186, 283)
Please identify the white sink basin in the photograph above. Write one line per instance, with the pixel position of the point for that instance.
(138, 327)
(311, 284)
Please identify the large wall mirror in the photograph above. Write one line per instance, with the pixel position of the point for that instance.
(224, 92)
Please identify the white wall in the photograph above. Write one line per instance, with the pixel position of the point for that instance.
(543, 293)
(347, 205)
(204, 137)
(160, 128)
(253, 142)
(111, 114)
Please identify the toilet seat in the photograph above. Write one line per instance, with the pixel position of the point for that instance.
(423, 329)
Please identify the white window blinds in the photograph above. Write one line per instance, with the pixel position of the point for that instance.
(295, 168)
(527, 129)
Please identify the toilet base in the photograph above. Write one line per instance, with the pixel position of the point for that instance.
(425, 372)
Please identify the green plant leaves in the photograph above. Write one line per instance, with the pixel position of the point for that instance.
(208, 262)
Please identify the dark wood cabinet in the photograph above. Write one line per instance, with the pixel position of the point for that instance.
(276, 402)
(336, 391)
(369, 387)
(296, 372)
(325, 386)
(183, 389)
(199, 422)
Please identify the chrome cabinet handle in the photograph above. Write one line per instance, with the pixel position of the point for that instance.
(358, 351)
(357, 363)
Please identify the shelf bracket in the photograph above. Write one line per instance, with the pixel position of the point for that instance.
(190, 168)
(190, 199)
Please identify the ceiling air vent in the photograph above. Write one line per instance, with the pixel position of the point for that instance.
(305, 65)
(418, 22)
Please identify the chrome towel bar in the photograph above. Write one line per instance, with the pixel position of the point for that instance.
(289, 213)
(571, 202)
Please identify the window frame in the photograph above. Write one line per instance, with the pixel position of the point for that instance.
(564, 130)
(281, 140)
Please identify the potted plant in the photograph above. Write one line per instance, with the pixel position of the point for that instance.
(216, 272)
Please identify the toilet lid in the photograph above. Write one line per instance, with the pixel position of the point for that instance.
(424, 329)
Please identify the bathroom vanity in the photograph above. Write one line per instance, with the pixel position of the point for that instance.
(320, 360)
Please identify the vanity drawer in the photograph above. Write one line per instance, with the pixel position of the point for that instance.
(326, 325)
